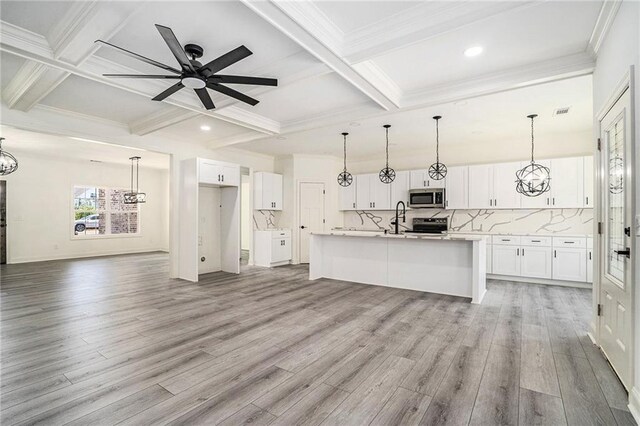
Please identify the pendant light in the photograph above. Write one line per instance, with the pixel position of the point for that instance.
(437, 171)
(345, 178)
(8, 163)
(533, 179)
(387, 175)
(135, 196)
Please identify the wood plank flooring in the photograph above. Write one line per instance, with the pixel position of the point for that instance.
(112, 340)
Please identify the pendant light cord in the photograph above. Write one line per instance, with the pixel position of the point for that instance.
(437, 142)
(137, 174)
(532, 161)
(1, 139)
(387, 148)
(131, 187)
(345, 153)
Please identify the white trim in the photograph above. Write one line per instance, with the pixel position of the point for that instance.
(634, 404)
(544, 281)
(85, 255)
(297, 198)
(605, 19)
(160, 120)
(617, 92)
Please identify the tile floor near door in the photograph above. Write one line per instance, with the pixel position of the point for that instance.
(113, 341)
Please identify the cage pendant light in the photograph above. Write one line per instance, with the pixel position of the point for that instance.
(345, 178)
(387, 175)
(134, 196)
(533, 179)
(437, 170)
(8, 163)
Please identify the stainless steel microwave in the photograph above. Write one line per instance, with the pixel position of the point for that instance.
(427, 198)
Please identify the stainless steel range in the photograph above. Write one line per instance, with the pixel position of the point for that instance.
(430, 225)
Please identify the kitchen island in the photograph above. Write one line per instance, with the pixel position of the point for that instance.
(437, 264)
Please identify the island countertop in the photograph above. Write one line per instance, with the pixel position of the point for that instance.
(407, 235)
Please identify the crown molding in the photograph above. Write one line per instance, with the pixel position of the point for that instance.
(522, 76)
(79, 115)
(605, 19)
(20, 38)
(160, 120)
(235, 139)
(373, 73)
(25, 78)
(68, 28)
(418, 23)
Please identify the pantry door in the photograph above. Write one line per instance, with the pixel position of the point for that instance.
(615, 246)
(311, 208)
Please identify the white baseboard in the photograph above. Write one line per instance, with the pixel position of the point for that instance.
(634, 404)
(83, 255)
(539, 281)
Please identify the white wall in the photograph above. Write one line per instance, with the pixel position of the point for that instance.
(39, 202)
(245, 213)
(619, 51)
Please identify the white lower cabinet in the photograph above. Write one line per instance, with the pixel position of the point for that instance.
(272, 247)
(535, 262)
(569, 259)
(506, 260)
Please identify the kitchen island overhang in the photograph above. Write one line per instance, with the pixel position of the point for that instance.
(454, 266)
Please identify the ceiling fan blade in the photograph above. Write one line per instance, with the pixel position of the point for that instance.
(238, 79)
(139, 57)
(175, 47)
(233, 93)
(205, 98)
(170, 91)
(227, 59)
(141, 76)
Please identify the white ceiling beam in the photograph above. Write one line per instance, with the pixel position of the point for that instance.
(23, 44)
(605, 19)
(160, 120)
(418, 23)
(301, 22)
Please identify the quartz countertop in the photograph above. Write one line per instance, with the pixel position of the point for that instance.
(409, 236)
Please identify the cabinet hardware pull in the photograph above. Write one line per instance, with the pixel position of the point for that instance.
(354, 205)
(495, 202)
(547, 201)
(555, 254)
(490, 202)
(223, 178)
(554, 200)
(569, 242)
(218, 178)
(506, 239)
(587, 203)
(522, 252)
(517, 252)
(535, 241)
(589, 255)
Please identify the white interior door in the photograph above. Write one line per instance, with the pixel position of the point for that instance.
(616, 284)
(311, 208)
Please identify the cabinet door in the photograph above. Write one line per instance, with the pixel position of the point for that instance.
(417, 179)
(230, 176)
(267, 191)
(278, 250)
(348, 196)
(380, 193)
(276, 191)
(589, 265)
(481, 187)
(400, 189)
(432, 183)
(535, 262)
(588, 181)
(456, 188)
(209, 173)
(570, 264)
(505, 195)
(541, 201)
(567, 182)
(506, 260)
(363, 192)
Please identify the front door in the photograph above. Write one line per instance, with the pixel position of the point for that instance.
(311, 215)
(616, 284)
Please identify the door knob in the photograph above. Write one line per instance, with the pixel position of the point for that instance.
(625, 252)
(302, 227)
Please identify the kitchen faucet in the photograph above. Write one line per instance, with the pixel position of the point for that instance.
(404, 216)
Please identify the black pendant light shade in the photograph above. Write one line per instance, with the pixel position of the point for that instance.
(8, 163)
(437, 171)
(345, 178)
(387, 175)
(533, 179)
(134, 196)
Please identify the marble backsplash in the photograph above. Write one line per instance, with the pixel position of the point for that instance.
(543, 221)
(265, 219)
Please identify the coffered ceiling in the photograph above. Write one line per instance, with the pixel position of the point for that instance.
(337, 62)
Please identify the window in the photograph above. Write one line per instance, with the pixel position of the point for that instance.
(99, 211)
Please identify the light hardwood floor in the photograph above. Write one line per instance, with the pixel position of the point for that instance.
(111, 340)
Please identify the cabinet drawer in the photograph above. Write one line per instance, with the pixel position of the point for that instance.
(535, 241)
(569, 242)
(505, 240)
(285, 233)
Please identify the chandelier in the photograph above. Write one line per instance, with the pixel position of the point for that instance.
(533, 179)
(387, 175)
(8, 163)
(345, 178)
(135, 196)
(437, 170)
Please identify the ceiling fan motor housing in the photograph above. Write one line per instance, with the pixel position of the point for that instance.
(194, 50)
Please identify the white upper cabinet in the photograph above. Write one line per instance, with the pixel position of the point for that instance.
(457, 188)
(588, 181)
(541, 201)
(371, 193)
(216, 173)
(505, 195)
(400, 189)
(567, 182)
(419, 179)
(348, 196)
(267, 191)
(481, 186)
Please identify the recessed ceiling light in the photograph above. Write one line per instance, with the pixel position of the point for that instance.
(281, 138)
(354, 124)
(473, 51)
(205, 128)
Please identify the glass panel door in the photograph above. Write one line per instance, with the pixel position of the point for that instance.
(615, 201)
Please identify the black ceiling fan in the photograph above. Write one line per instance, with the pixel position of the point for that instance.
(193, 75)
